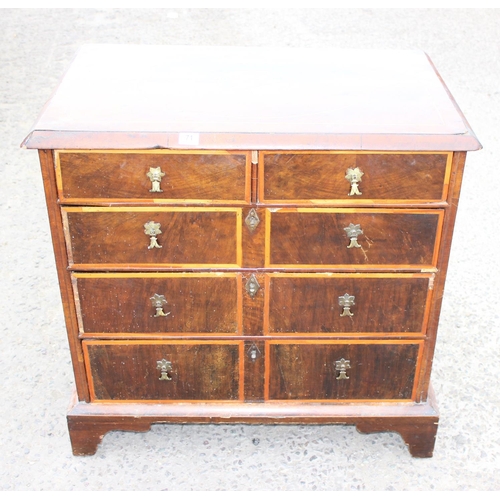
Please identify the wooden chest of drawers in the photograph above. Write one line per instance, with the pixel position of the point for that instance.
(266, 245)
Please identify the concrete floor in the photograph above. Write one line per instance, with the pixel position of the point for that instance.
(36, 377)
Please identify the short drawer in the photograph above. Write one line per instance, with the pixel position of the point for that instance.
(163, 371)
(162, 238)
(318, 371)
(344, 238)
(86, 177)
(125, 304)
(353, 178)
(355, 304)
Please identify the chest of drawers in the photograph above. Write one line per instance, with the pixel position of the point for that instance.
(251, 236)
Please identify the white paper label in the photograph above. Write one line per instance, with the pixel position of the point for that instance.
(189, 138)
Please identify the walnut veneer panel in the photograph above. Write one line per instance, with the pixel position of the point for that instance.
(309, 303)
(194, 177)
(128, 371)
(317, 237)
(307, 371)
(107, 237)
(207, 303)
(313, 177)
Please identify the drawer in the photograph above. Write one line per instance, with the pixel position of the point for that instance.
(165, 237)
(86, 177)
(163, 371)
(356, 304)
(125, 304)
(344, 238)
(383, 178)
(316, 370)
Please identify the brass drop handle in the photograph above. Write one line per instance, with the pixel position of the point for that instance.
(342, 365)
(353, 231)
(159, 301)
(353, 175)
(165, 368)
(152, 229)
(346, 301)
(155, 175)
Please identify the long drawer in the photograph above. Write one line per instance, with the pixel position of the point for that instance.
(362, 238)
(302, 370)
(336, 370)
(348, 178)
(298, 304)
(195, 177)
(163, 237)
(164, 371)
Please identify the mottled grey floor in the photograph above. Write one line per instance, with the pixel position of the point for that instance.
(36, 378)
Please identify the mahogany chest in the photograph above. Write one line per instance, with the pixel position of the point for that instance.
(251, 235)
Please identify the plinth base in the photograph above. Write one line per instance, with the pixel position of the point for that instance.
(416, 423)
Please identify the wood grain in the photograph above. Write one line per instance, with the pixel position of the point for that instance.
(189, 237)
(200, 370)
(65, 286)
(305, 370)
(319, 177)
(196, 303)
(309, 98)
(253, 240)
(254, 371)
(305, 304)
(317, 237)
(190, 177)
(439, 284)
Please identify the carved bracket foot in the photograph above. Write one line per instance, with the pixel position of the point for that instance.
(86, 434)
(420, 437)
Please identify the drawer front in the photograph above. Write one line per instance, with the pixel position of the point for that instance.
(163, 371)
(159, 176)
(342, 370)
(325, 238)
(172, 303)
(166, 237)
(318, 177)
(325, 304)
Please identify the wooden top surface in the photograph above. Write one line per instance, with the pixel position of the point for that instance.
(141, 97)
